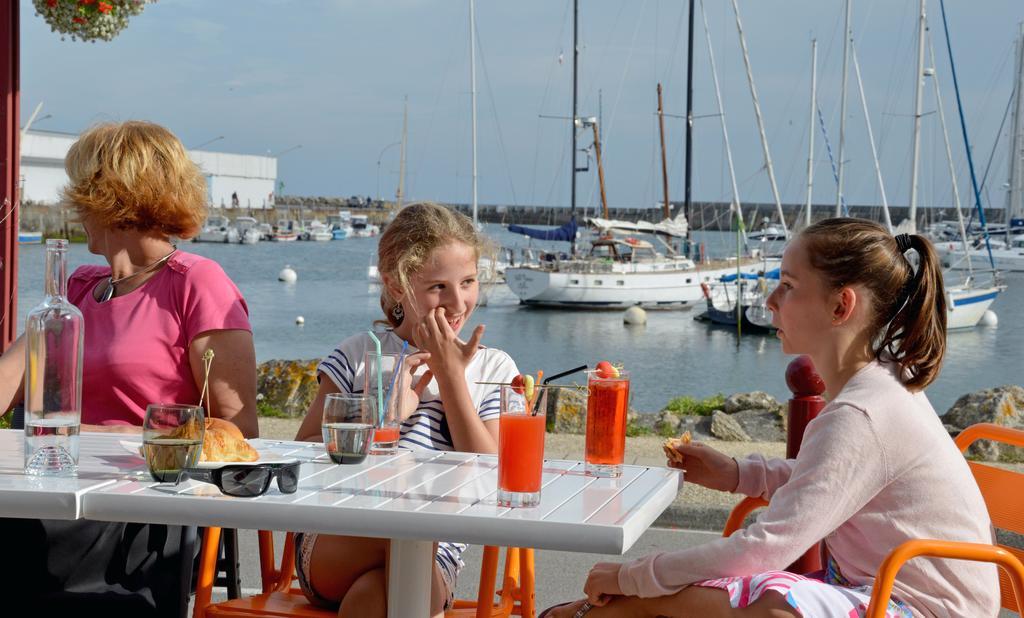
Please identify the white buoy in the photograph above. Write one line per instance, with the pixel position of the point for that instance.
(989, 318)
(287, 275)
(300, 320)
(635, 315)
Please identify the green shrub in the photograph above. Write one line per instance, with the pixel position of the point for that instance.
(634, 429)
(687, 406)
(5, 421)
(265, 409)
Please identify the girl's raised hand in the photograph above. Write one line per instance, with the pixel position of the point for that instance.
(449, 355)
(707, 467)
(413, 385)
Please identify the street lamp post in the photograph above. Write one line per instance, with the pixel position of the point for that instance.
(379, 157)
(287, 150)
(208, 142)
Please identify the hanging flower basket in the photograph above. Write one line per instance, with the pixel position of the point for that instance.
(88, 20)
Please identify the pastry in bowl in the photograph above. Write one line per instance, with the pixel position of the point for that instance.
(669, 446)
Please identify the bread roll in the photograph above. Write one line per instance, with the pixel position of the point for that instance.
(670, 447)
(224, 442)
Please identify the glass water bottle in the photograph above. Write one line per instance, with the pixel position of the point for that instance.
(54, 335)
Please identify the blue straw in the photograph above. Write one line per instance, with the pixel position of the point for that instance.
(394, 376)
(380, 379)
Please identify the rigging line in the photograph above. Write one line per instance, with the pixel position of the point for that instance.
(963, 128)
(677, 38)
(890, 101)
(494, 110)
(543, 102)
(995, 142)
(413, 172)
(831, 159)
(606, 134)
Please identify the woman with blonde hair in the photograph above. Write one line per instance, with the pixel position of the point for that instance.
(427, 258)
(150, 314)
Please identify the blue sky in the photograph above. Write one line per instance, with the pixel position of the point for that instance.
(332, 76)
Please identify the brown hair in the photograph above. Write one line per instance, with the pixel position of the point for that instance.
(135, 176)
(908, 321)
(407, 242)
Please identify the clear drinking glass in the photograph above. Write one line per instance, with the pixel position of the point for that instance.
(521, 445)
(348, 426)
(172, 439)
(380, 382)
(54, 333)
(607, 407)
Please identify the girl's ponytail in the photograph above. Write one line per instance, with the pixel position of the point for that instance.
(916, 337)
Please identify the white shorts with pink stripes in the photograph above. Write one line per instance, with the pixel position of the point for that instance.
(812, 598)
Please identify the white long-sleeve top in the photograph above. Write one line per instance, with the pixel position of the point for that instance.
(875, 468)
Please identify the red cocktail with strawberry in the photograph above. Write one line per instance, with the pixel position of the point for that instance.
(607, 405)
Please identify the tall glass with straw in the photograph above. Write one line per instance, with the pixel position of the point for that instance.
(382, 380)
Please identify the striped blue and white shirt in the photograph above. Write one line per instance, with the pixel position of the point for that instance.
(427, 427)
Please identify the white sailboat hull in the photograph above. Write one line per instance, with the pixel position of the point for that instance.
(1005, 259)
(664, 289)
(965, 306)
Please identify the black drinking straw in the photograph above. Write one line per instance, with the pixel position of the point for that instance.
(563, 374)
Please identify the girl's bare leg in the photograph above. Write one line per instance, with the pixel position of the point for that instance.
(692, 602)
(353, 571)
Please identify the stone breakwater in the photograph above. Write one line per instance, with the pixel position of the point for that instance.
(287, 387)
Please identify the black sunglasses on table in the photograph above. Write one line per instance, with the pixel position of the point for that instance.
(248, 481)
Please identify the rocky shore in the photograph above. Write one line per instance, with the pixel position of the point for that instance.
(286, 388)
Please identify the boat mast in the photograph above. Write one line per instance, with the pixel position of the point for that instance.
(760, 121)
(572, 125)
(472, 95)
(1015, 194)
(952, 168)
(918, 87)
(810, 137)
(401, 165)
(871, 140)
(847, 35)
(963, 130)
(600, 168)
(688, 182)
(725, 133)
(664, 164)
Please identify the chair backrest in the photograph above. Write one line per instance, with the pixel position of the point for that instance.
(1003, 490)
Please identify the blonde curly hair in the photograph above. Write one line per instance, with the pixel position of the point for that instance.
(135, 175)
(407, 242)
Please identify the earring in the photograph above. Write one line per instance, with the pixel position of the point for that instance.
(398, 313)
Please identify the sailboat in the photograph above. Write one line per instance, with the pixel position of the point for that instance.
(1007, 253)
(967, 302)
(616, 272)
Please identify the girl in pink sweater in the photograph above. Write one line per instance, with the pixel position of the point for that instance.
(875, 468)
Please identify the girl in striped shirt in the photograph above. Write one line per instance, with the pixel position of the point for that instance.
(427, 259)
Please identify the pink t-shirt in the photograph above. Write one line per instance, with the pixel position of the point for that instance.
(136, 345)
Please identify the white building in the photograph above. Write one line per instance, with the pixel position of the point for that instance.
(252, 178)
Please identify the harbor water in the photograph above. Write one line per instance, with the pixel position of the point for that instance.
(671, 355)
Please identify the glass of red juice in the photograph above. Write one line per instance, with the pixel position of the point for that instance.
(521, 445)
(607, 406)
(387, 389)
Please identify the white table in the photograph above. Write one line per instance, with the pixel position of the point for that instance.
(413, 498)
(102, 462)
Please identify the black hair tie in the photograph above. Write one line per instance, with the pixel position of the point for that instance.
(903, 242)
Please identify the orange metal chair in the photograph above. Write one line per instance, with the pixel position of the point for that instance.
(1003, 491)
(282, 599)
